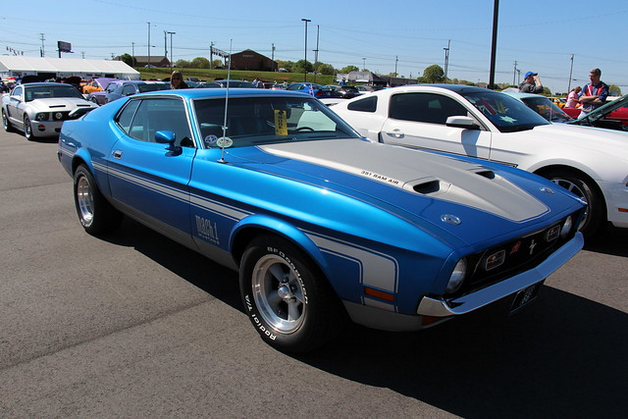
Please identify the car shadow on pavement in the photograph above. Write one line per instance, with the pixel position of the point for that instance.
(613, 241)
(563, 356)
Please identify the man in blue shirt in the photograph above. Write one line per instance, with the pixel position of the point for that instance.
(593, 94)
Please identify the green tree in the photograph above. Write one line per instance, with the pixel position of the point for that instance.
(303, 66)
(128, 59)
(349, 69)
(284, 64)
(217, 64)
(327, 69)
(182, 64)
(433, 74)
(199, 62)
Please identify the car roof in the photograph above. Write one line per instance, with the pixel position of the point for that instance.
(39, 84)
(221, 92)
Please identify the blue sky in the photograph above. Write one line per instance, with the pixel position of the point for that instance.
(540, 36)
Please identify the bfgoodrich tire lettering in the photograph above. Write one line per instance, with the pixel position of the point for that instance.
(95, 213)
(286, 297)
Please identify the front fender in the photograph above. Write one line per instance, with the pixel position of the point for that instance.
(254, 223)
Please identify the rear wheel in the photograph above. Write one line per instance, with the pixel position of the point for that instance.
(594, 217)
(95, 213)
(287, 298)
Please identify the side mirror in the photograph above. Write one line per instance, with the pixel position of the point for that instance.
(168, 137)
(462, 122)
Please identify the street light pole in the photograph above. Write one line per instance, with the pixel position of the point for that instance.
(305, 49)
(170, 33)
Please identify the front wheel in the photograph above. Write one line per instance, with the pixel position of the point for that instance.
(95, 213)
(287, 299)
(594, 216)
(6, 124)
(28, 129)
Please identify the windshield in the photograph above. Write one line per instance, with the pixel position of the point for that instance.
(261, 120)
(506, 113)
(547, 109)
(44, 92)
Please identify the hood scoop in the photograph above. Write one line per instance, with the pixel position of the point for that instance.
(433, 185)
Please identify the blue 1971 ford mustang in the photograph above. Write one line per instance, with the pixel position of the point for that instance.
(322, 224)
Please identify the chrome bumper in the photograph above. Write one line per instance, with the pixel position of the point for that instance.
(468, 303)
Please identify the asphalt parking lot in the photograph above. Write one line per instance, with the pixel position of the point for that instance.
(134, 325)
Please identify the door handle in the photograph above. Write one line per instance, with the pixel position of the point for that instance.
(397, 133)
(117, 154)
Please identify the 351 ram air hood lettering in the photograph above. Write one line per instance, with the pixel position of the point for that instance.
(426, 174)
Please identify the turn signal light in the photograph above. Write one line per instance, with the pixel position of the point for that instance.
(382, 295)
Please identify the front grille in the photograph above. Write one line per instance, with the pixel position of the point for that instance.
(513, 257)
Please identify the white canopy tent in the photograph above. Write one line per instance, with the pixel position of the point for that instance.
(18, 66)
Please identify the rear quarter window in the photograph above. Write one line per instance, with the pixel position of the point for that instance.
(368, 104)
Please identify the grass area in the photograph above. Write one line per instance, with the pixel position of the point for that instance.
(209, 75)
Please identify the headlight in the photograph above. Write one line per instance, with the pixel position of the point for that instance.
(42, 116)
(457, 276)
(564, 232)
(58, 116)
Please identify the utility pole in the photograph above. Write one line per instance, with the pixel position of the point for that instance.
(211, 55)
(148, 44)
(273, 57)
(396, 61)
(514, 73)
(41, 51)
(491, 81)
(305, 49)
(570, 72)
(165, 44)
(318, 29)
(447, 58)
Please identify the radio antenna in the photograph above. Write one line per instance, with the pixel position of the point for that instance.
(224, 141)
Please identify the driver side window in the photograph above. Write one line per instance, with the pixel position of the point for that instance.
(141, 119)
(424, 107)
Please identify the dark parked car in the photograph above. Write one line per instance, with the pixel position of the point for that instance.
(234, 83)
(344, 92)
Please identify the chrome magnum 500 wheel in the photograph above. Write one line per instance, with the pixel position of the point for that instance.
(95, 213)
(287, 299)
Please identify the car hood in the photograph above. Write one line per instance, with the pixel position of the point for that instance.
(418, 173)
(61, 103)
(432, 191)
(596, 140)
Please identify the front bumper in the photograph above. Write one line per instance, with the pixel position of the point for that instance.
(46, 128)
(444, 308)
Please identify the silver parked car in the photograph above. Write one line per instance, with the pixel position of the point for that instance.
(39, 109)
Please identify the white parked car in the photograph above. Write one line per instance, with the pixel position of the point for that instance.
(471, 121)
(39, 109)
